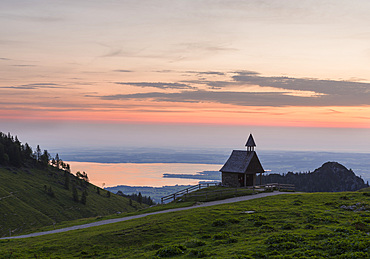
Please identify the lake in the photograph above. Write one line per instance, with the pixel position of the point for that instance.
(139, 174)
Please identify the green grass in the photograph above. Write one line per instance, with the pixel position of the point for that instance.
(25, 205)
(283, 226)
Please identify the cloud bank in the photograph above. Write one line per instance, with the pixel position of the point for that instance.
(158, 85)
(324, 92)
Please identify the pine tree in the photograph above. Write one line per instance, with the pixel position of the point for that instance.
(57, 160)
(74, 193)
(83, 197)
(45, 158)
(67, 180)
(38, 153)
(140, 198)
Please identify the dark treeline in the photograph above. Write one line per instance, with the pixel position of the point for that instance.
(14, 153)
(138, 198)
(330, 177)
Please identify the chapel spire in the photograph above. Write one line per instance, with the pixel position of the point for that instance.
(250, 143)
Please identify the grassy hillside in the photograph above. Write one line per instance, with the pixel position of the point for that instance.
(31, 198)
(321, 225)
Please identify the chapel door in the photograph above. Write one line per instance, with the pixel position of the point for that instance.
(241, 180)
(250, 179)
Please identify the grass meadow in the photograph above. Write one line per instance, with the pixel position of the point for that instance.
(315, 225)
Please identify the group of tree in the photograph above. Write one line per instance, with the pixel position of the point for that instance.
(83, 181)
(14, 153)
(138, 198)
(330, 177)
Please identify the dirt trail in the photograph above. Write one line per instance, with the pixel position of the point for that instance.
(110, 221)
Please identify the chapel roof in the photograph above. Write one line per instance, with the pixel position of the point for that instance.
(241, 161)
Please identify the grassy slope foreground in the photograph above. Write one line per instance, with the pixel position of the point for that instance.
(32, 198)
(321, 225)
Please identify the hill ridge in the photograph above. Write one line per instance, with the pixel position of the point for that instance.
(330, 177)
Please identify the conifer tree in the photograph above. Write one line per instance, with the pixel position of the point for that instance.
(83, 197)
(67, 180)
(57, 160)
(140, 198)
(45, 158)
(74, 193)
(38, 153)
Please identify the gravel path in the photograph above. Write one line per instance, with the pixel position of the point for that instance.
(109, 221)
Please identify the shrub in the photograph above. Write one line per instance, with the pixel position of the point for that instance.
(219, 223)
(354, 255)
(331, 203)
(297, 202)
(206, 236)
(309, 226)
(362, 226)
(233, 220)
(258, 223)
(276, 239)
(283, 246)
(346, 245)
(342, 230)
(231, 240)
(198, 253)
(320, 220)
(168, 251)
(267, 228)
(154, 246)
(288, 226)
(194, 243)
(222, 235)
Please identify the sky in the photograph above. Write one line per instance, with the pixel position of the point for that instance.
(187, 73)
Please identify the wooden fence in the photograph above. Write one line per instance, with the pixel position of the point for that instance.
(277, 186)
(208, 193)
(180, 193)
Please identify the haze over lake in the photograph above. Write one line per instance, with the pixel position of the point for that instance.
(143, 168)
(143, 174)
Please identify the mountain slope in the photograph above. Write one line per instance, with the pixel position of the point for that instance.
(30, 198)
(37, 190)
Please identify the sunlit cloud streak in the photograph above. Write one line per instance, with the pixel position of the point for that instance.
(305, 84)
(158, 85)
(33, 86)
(21, 65)
(123, 71)
(206, 73)
(324, 92)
